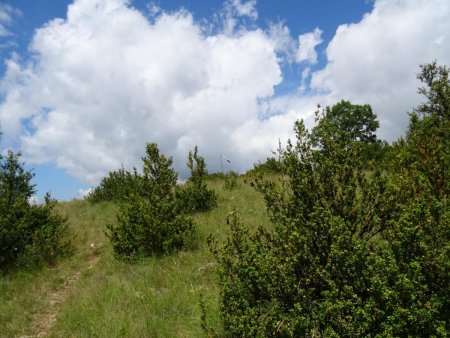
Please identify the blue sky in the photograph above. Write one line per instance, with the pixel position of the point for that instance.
(86, 83)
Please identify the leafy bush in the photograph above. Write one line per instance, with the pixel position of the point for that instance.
(194, 195)
(308, 276)
(271, 166)
(29, 234)
(117, 186)
(356, 249)
(149, 223)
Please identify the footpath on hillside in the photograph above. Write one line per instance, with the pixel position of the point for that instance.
(44, 320)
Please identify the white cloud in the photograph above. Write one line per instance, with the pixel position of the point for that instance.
(282, 40)
(307, 46)
(243, 9)
(376, 60)
(107, 80)
(234, 10)
(7, 16)
(82, 193)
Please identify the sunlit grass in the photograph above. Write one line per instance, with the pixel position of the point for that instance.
(157, 297)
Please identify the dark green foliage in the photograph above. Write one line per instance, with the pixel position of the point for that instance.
(150, 223)
(436, 90)
(309, 275)
(52, 236)
(344, 123)
(271, 166)
(419, 242)
(146, 227)
(355, 250)
(29, 234)
(118, 186)
(15, 180)
(195, 196)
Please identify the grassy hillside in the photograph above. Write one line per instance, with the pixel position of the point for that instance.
(93, 294)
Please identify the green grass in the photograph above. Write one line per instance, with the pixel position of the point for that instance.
(157, 297)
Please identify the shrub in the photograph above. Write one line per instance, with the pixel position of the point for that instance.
(309, 275)
(117, 186)
(355, 250)
(149, 223)
(271, 166)
(195, 196)
(29, 234)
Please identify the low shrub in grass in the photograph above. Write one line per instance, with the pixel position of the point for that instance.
(117, 186)
(29, 234)
(150, 226)
(150, 223)
(194, 195)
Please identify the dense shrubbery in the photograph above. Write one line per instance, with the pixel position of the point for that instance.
(149, 222)
(29, 234)
(358, 248)
(117, 186)
(194, 195)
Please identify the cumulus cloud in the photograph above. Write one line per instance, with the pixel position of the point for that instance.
(376, 60)
(106, 80)
(307, 46)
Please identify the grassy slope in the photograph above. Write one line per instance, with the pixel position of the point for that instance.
(156, 298)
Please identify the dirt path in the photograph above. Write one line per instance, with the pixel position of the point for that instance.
(44, 320)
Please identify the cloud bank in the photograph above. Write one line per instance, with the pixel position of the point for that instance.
(107, 79)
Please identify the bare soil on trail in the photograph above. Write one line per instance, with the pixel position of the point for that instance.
(44, 320)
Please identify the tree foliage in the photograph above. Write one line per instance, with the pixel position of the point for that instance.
(117, 186)
(345, 123)
(150, 222)
(357, 249)
(195, 195)
(29, 234)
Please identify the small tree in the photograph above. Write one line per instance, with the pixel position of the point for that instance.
(149, 223)
(29, 234)
(194, 195)
(345, 123)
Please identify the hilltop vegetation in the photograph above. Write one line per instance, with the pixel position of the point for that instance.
(340, 235)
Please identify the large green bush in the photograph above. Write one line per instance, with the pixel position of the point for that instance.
(150, 222)
(29, 234)
(357, 249)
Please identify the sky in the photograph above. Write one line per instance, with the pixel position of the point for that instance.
(85, 84)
